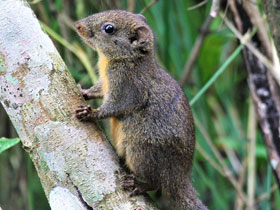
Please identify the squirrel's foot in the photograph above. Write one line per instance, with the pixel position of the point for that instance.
(86, 113)
(130, 184)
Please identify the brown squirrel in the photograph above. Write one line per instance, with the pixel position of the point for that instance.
(151, 122)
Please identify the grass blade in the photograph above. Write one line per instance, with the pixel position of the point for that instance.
(217, 74)
(7, 143)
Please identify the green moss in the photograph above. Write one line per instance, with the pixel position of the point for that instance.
(2, 63)
(97, 197)
(25, 108)
(57, 61)
(44, 166)
(11, 79)
(36, 140)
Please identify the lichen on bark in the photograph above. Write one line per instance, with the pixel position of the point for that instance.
(40, 97)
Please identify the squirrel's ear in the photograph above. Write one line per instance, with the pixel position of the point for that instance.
(142, 17)
(142, 37)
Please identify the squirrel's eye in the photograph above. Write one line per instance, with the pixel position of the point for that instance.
(109, 29)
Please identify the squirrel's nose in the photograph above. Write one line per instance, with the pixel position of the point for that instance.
(80, 27)
(83, 29)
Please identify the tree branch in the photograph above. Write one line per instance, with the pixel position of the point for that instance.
(195, 50)
(76, 164)
(262, 86)
(215, 7)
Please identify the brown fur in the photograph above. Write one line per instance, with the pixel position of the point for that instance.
(151, 121)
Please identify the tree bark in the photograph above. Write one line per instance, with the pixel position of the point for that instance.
(263, 82)
(76, 164)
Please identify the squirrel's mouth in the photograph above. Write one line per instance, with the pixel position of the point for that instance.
(91, 43)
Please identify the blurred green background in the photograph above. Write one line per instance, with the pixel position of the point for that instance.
(223, 114)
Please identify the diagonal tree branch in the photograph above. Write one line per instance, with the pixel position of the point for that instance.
(76, 164)
(261, 84)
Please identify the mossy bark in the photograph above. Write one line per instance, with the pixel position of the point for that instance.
(76, 164)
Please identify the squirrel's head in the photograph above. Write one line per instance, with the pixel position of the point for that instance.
(118, 34)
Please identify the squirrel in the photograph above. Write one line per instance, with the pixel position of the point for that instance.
(151, 122)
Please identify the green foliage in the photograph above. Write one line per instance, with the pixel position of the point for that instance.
(7, 143)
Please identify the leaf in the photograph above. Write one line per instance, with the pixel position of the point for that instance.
(7, 143)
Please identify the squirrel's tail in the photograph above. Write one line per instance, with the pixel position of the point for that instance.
(182, 197)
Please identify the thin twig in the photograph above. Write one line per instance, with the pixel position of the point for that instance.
(67, 20)
(214, 11)
(249, 45)
(209, 159)
(218, 110)
(131, 5)
(235, 115)
(225, 13)
(198, 5)
(234, 11)
(241, 179)
(266, 194)
(148, 6)
(217, 154)
(252, 9)
(196, 48)
(251, 135)
(272, 68)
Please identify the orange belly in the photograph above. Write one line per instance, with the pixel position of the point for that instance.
(118, 135)
(103, 62)
(129, 162)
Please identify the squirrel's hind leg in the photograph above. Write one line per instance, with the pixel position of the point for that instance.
(136, 187)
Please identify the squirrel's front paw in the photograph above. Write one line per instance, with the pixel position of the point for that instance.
(84, 92)
(86, 113)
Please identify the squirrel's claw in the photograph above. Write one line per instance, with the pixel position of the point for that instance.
(130, 177)
(84, 92)
(136, 191)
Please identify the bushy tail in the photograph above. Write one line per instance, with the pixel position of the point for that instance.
(182, 197)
